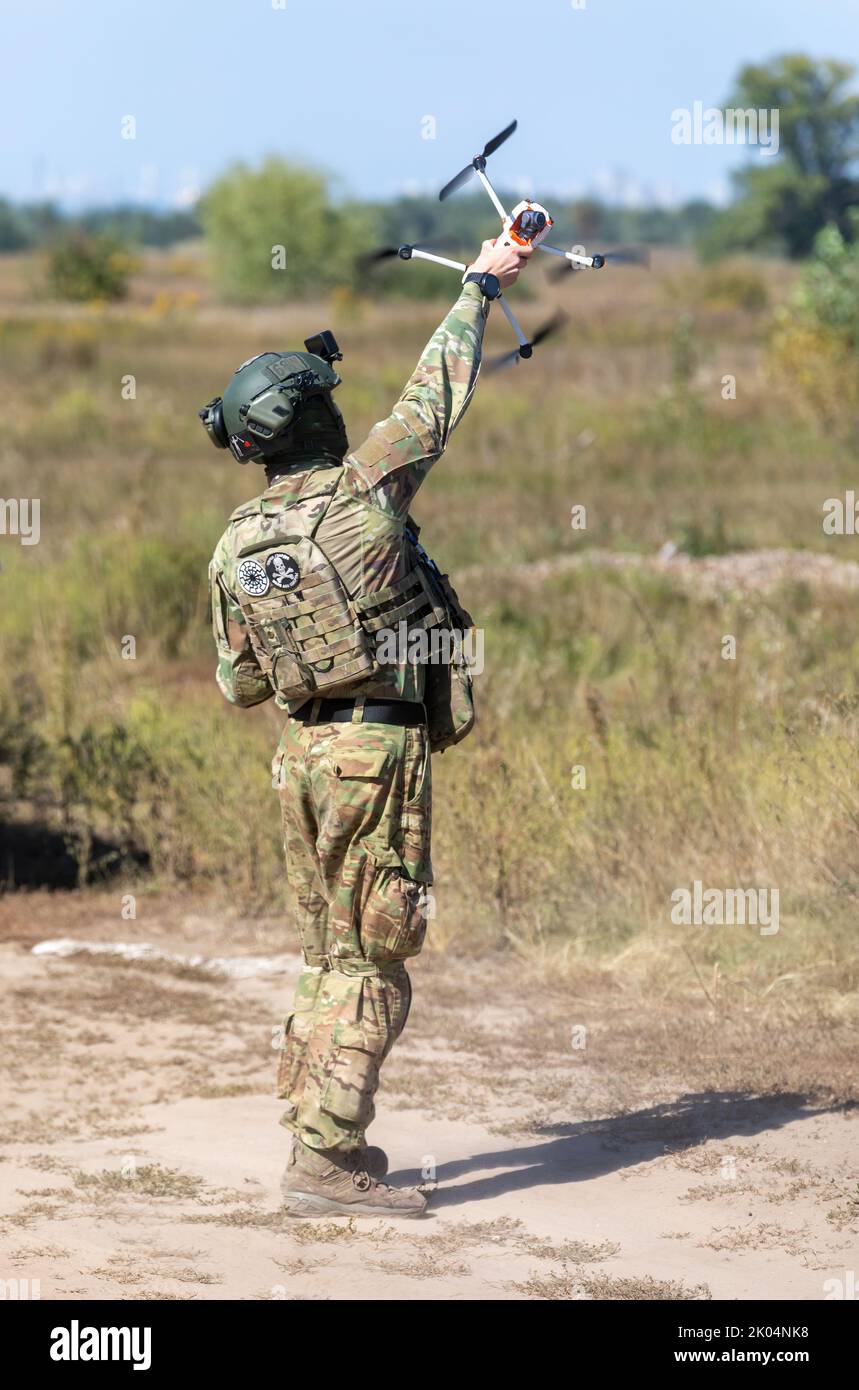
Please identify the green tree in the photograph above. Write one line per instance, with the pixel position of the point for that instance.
(249, 214)
(786, 200)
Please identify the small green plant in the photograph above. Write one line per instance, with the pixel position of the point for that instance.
(83, 268)
(684, 358)
(816, 336)
(733, 286)
(707, 539)
(828, 295)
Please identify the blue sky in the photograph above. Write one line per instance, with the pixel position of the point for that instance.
(349, 85)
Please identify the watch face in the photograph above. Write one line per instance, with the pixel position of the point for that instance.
(490, 285)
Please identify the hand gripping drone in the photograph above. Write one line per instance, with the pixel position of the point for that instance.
(527, 225)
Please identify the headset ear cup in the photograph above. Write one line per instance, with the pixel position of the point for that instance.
(219, 429)
(212, 419)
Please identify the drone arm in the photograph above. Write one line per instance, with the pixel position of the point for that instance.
(439, 260)
(592, 262)
(458, 265)
(511, 319)
(499, 207)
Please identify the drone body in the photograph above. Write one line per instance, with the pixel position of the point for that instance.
(528, 224)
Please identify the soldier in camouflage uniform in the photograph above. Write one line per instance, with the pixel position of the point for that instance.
(331, 533)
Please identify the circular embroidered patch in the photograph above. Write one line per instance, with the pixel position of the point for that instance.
(253, 578)
(282, 570)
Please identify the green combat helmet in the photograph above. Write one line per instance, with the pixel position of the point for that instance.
(280, 404)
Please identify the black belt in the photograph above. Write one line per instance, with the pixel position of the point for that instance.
(407, 713)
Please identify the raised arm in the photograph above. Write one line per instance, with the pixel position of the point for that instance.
(399, 452)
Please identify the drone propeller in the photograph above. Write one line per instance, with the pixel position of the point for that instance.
(625, 255)
(561, 269)
(478, 161)
(628, 255)
(509, 359)
(381, 253)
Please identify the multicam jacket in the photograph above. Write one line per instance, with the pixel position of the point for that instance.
(356, 513)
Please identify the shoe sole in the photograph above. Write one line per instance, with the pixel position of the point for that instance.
(304, 1204)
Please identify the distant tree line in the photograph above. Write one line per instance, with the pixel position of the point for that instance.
(26, 225)
(275, 233)
(412, 218)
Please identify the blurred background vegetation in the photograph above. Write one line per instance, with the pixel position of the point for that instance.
(781, 206)
(596, 655)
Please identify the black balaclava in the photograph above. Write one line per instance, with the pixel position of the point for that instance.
(318, 436)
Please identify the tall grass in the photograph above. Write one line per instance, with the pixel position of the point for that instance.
(735, 772)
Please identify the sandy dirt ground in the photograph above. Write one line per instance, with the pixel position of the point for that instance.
(584, 1141)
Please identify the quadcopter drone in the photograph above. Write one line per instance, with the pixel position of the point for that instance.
(528, 224)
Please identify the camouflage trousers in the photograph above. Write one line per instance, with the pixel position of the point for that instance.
(356, 808)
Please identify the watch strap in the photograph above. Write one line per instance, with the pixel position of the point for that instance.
(477, 277)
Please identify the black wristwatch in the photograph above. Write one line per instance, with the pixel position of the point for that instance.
(488, 284)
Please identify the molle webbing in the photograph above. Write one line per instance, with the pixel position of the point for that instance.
(311, 643)
(408, 600)
(316, 637)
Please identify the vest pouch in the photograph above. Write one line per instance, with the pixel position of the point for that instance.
(448, 687)
(449, 703)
